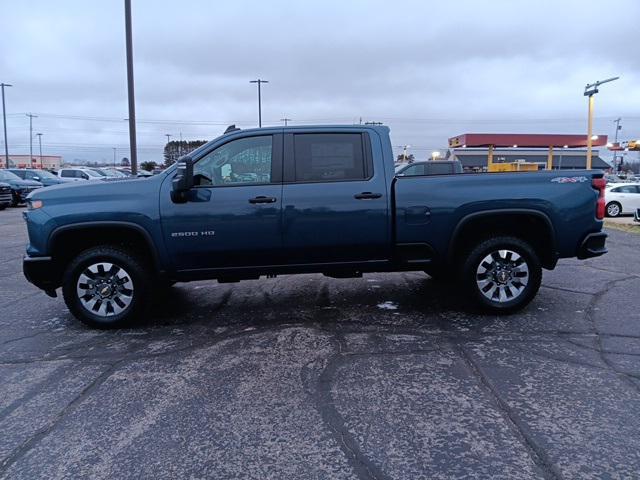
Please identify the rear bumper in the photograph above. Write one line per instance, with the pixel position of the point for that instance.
(593, 245)
(41, 272)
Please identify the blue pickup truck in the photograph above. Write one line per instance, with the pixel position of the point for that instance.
(270, 201)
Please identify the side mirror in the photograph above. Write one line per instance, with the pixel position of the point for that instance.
(183, 180)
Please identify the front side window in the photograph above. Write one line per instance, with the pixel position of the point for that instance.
(242, 161)
(322, 157)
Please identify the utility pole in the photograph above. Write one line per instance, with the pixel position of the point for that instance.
(180, 146)
(130, 88)
(31, 117)
(618, 127)
(589, 91)
(259, 82)
(40, 145)
(114, 157)
(285, 120)
(4, 122)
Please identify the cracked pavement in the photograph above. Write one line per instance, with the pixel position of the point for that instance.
(392, 376)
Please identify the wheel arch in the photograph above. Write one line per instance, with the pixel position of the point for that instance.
(69, 240)
(530, 225)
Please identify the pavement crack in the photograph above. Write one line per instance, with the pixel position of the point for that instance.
(363, 467)
(29, 444)
(536, 452)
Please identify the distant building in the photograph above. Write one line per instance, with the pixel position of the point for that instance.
(49, 162)
(475, 159)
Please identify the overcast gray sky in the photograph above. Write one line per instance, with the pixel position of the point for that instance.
(429, 70)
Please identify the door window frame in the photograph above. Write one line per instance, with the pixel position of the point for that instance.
(276, 160)
(289, 174)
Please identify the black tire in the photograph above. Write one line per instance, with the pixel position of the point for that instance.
(3, 206)
(15, 199)
(133, 279)
(616, 209)
(498, 284)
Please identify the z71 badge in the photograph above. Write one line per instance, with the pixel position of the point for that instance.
(204, 233)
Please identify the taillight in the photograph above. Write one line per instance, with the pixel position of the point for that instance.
(599, 184)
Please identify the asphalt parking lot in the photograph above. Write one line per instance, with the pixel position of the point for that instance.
(388, 376)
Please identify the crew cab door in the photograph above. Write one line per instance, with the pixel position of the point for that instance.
(335, 204)
(232, 215)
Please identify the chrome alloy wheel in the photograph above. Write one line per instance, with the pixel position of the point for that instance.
(502, 275)
(613, 210)
(104, 289)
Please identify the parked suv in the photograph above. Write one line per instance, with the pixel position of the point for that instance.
(76, 174)
(5, 195)
(44, 177)
(19, 188)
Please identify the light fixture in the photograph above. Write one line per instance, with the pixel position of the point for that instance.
(594, 137)
(565, 146)
(515, 146)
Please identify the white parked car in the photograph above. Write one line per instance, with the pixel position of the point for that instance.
(622, 198)
(79, 173)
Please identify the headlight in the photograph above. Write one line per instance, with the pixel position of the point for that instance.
(34, 204)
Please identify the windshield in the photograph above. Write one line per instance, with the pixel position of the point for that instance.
(400, 167)
(114, 173)
(93, 173)
(4, 175)
(44, 174)
(98, 171)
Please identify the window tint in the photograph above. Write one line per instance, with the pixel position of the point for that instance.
(322, 157)
(414, 170)
(20, 173)
(242, 161)
(67, 173)
(439, 169)
(625, 189)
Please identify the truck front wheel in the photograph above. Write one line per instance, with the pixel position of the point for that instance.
(107, 287)
(503, 274)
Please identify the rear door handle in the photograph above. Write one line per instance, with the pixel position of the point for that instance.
(367, 196)
(262, 199)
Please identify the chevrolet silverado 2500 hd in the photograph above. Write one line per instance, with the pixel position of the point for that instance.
(305, 199)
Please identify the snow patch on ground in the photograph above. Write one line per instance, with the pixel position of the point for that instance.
(388, 305)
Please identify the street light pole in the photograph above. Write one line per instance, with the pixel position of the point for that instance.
(31, 117)
(40, 145)
(114, 157)
(4, 122)
(618, 127)
(589, 91)
(130, 88)
(259, 82)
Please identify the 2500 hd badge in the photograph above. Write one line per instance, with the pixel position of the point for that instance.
(204, 233)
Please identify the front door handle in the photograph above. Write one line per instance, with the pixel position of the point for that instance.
(367, 196)
(262, 199)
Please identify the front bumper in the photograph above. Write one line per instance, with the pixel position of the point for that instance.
(41, 271)
(593, 246)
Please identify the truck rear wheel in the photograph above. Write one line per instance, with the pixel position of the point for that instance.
(503, 274)
(107, 287)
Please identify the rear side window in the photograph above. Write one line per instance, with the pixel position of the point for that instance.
(325, 157)
(439, 169)
(67, 173)
(414, 170)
